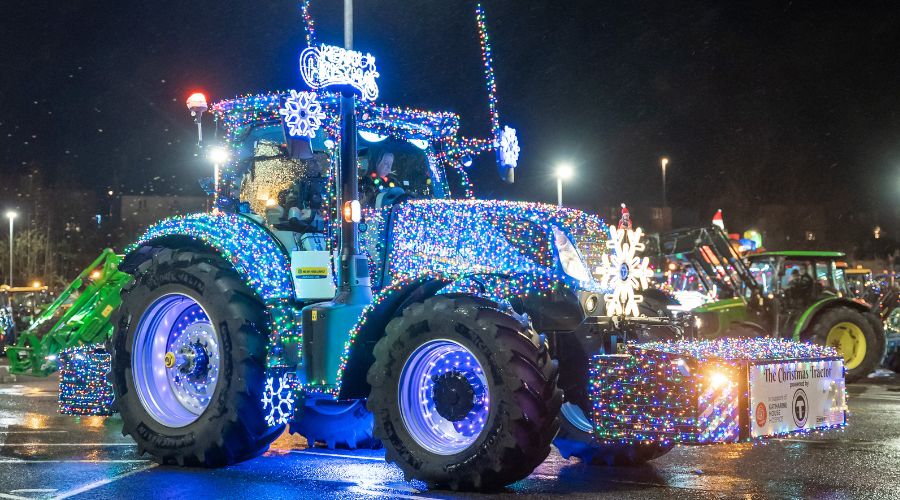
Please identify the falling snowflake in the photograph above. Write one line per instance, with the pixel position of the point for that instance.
(508, 147)
(624, 272)
(278, 400)
(302, 114)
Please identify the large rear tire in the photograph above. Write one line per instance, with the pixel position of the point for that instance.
(576, 439)
(857, 338)
(464, 395)
(188, 359)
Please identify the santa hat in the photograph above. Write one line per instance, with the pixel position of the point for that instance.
(717, 220)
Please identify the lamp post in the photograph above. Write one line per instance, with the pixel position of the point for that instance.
(11, 215)
(563, 172)
(218, 155)
(663, 162)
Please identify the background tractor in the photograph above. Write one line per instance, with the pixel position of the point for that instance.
(799, 295)
(19, 306)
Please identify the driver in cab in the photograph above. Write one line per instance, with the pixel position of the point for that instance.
(800, 284)
(379, 180)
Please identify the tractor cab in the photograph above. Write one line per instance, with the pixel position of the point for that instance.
(793, 281)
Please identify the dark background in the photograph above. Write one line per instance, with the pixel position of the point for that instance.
(755, 103)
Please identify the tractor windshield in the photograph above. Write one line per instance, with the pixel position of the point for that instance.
(391, 170)
(764, 273)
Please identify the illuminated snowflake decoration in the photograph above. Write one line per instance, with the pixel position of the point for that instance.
(302, 114)
(624, 272)
(507, 145)
(278, 400)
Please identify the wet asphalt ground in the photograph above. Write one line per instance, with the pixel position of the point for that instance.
(46, 455)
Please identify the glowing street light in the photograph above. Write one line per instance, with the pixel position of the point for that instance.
(11, 215)
(219, 156)
(564, 172)
(664, 162)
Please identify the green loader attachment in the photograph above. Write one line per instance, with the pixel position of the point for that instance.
(80, 315)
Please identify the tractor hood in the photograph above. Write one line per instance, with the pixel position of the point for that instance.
(459, 238)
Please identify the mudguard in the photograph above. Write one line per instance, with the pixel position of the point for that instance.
(358, 350)
(810, 314)
(253, 251)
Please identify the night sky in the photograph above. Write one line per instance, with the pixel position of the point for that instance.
(763, 102)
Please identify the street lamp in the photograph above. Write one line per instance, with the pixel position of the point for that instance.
(563, 172)
(218, 155)
(11, 215)
(663, 163)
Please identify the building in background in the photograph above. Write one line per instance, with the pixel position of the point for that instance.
(138, 212)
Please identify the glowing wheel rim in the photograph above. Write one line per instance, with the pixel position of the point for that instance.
(175, 394)
(432, 362)
(849, 341)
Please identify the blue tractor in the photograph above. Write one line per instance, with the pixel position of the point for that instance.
(349, 286)
(451, 335)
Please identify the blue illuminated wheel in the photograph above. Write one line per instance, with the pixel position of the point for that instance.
(464, 394)
(188, 361)
(444, 397)
(175, 361)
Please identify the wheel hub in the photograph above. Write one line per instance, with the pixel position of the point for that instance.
(444, 397)
(176, 360)
(453, 395)
(850, 341)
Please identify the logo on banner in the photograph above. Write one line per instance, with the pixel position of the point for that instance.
(800, 408)
(761, 414)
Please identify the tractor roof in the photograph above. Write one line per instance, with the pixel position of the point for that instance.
(798, 253)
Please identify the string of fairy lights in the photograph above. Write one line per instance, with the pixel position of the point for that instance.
(686, 392)
(84, 388)
(472, 241)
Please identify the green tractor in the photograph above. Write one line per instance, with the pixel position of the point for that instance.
(800, 295)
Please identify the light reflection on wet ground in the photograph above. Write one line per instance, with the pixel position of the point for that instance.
(45, 455)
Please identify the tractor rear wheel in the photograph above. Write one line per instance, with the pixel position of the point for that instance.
(188, 358)
(464, 395)
(576, 439)
(858, 339)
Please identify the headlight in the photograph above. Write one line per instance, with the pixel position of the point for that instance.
(571, 260)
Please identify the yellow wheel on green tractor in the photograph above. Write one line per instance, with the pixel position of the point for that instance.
(856, 335)
(849, 341)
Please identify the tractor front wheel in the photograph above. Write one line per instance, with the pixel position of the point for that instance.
(859, 340)
(464, 395)
(188, 359)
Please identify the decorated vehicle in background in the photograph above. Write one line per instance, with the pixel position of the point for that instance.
(363, 295)
(883, 294)
(798, 295)
(19, 305)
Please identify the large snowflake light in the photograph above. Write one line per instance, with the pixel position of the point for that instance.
(278, 400)
(624, 272)
(507, 145)
(302, 114)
